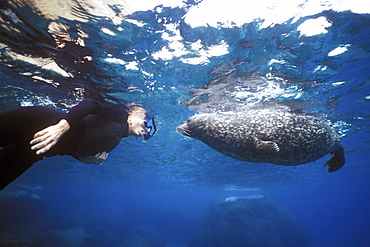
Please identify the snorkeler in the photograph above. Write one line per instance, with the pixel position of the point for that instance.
(87, 132)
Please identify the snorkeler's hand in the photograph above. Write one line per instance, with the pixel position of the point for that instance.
(45, 139)
(97, 159)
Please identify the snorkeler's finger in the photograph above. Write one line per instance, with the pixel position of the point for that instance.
(38, 139)
(43, 150)
(38, 145)
(42, 146)
(41, 133)
(104, 155)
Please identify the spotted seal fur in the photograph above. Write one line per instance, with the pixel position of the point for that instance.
(268, 136)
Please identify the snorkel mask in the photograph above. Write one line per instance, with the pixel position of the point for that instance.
(150, 126)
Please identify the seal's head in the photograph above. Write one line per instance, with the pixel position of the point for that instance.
(194, 127)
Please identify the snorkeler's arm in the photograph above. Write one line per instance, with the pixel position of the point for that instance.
(97, 159)
(84, 108)
(45, 139)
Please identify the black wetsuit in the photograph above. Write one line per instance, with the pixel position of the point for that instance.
(94, 127)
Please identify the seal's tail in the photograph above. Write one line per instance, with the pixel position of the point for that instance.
(336, 161)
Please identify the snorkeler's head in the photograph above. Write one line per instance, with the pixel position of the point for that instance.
(140, 123)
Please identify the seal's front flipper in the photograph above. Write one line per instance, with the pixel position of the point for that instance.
(267, 147)
(336, 161)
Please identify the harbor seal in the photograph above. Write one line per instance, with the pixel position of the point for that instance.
(267, 136)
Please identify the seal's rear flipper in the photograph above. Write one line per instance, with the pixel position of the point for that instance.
(337, 161)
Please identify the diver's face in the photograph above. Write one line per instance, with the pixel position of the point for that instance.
(137, 127)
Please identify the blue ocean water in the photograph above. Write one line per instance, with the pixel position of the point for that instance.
(162, 192)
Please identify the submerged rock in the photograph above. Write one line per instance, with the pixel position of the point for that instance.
(254, 221)
(19, 191)
(10, 240)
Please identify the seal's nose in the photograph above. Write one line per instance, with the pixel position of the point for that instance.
(183, 130)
